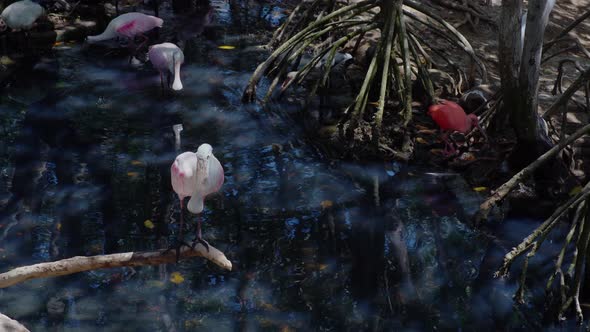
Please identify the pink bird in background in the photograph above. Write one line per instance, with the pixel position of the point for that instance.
(196, 175)
(129, 26)
(167, 58)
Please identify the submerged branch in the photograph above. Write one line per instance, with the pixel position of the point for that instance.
(86, 263)
(581, 247)
(561, 256)
(541, 231)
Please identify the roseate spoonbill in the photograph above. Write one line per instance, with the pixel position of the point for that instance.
(167, 57)
(129, 26)
(196, 175)
(450, 117)
(20, 15)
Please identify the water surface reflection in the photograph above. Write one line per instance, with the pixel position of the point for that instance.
(316, 244)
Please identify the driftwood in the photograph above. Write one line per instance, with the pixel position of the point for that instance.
(86, 263)
(500, 193)
(9, 324)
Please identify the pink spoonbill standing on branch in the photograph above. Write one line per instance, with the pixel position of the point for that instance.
(167, 58)
(196, 175)
(129, 26)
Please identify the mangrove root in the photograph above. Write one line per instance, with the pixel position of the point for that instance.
(500, 193)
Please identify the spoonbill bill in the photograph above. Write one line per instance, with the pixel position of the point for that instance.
(167, 58)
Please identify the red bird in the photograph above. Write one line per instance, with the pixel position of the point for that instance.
(450, 117)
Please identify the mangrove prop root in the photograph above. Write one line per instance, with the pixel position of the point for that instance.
(558, 270)
(578, 83)
(249, 94)
(86, 263)
(539, 234)
(500, 193)
(477, 14)
(391, 9)
(566, 30)
(581, 248)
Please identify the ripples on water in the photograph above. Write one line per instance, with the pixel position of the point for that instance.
(86, 163)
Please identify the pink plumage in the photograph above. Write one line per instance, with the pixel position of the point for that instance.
(183, 174)
(167, 58)
(128, 25)
(196, 175)
(449, 115)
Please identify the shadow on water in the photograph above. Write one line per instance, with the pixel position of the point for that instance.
(316, 244)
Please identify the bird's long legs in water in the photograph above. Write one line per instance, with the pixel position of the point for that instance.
(144, 41)
(179, 238)
(134, 49)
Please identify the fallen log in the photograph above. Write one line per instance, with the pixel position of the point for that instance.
(86, 263)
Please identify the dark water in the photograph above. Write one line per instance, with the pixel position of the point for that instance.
(316, 244)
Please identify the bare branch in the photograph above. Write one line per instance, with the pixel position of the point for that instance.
(565, 31)
(578, 83)
(86, 263)
(503, 190)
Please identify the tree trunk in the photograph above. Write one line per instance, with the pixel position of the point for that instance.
(510, 53)
(525, 117)
(520, 62)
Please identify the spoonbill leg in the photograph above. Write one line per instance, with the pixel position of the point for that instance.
(199, 238)
(143, 42)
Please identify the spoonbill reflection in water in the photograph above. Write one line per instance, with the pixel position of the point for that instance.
(196, 175)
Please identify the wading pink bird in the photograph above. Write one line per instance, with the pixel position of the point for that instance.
(167, 58)
(129, 26)
(20, 15)
(196, 175)
(450, 117)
